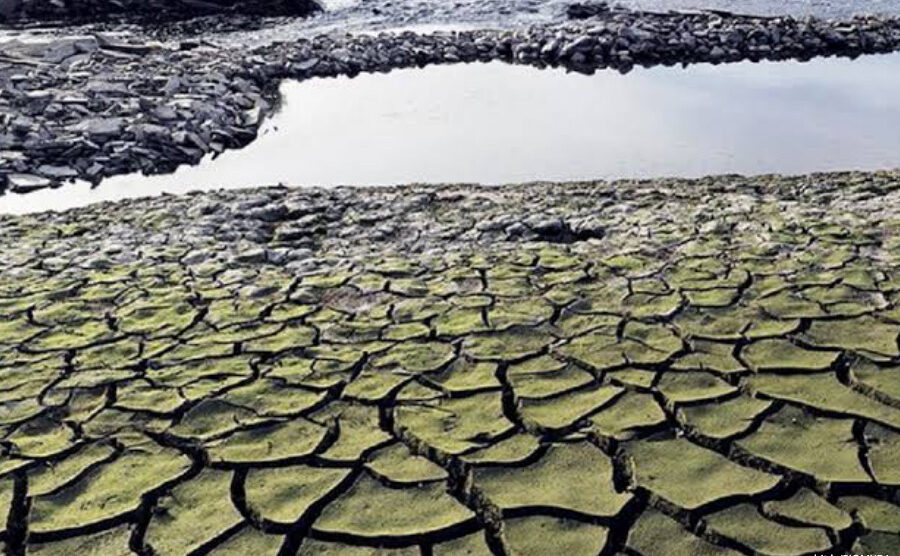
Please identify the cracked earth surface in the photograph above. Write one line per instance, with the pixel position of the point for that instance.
(657, 367)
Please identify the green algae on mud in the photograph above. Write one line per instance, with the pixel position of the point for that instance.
(479, 395)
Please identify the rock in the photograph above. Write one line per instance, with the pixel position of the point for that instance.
(57, 172)
(100, 129)
(253, 255)
(42, 10)
(26, 183)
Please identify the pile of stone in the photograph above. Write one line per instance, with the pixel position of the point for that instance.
(95, 106)
(66, 10)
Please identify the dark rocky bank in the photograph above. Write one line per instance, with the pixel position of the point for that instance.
(93, 106)
(20, 11)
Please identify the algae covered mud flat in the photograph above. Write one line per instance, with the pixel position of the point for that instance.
(659, 367)
(640, 367)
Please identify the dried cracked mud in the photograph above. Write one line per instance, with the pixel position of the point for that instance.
(656, 367)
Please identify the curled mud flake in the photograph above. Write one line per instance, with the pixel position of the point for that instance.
(795, 439)
(314, 547)
(406, 331)
(113, 542)
(627, 416)
(66, 337)
(805, 506)
(876, 515)
(572, 479)
(732, 324)
(398, 466)
(512, 451)
(272, 398)
(510, 345)
(824, 392)
(460, 322)
(49, 477)
(642, 306)
(537, 535)
(866, 335)
(725, 419)
(782, 355)
(530, 311)
(467, 376)
(141, 395)
(6, 501)
(113, 421)
(547, 382)
(249, 540)
(880, 381)
(270, 443)
(212, 418)
(374, 514)
(109, 492)
(690, 477)
(456, 425)
(473, 544)
(883, 453)
(710, 356)
(95, 378)
(599, 351)
(358, 430)
(791, 305)
(692, 387)
(656, 534)
(41, 437)
(116, 355)
(567, 411)
(416, 357)
(284, 495)
(877, 543)
(194, 514)
(290, 337)
(750, 529)
(639, 379)
(154, 321)
(216, 369)
(374, 385)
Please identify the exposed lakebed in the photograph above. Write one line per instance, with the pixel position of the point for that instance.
(496, 123)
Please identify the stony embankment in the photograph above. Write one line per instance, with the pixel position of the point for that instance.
(67, 11)
(656, 368)
(99, 105)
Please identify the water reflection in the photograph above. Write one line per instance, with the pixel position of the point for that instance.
(497, 123)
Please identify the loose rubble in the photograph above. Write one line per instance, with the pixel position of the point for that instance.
(23, 11)
(102, 104)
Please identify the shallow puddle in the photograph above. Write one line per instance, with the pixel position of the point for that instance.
(497, 123)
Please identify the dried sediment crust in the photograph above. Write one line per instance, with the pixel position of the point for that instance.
(177, 376)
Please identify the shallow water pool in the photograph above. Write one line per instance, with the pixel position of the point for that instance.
(497, 123)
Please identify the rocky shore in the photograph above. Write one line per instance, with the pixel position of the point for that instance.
(98, 104)
(67, 11)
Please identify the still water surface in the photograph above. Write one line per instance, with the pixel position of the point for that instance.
(497, 123)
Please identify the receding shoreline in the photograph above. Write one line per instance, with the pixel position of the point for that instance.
(150, 107)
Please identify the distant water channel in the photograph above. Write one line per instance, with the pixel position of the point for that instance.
(496, 123)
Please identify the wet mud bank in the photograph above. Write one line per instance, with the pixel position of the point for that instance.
(96, 106)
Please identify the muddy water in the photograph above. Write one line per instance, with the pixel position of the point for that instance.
(497, 123)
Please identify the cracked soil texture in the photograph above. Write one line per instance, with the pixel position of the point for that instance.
(657, 367)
